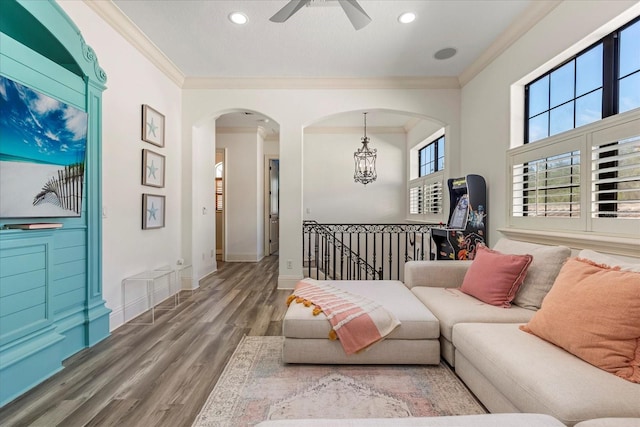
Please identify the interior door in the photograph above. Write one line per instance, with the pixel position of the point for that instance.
(274, 205)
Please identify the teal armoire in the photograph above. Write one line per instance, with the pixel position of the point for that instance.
(51, 302)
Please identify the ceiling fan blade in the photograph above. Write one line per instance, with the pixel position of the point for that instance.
(288, 10)
(356, 14)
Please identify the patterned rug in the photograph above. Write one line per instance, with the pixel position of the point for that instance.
(256, 386)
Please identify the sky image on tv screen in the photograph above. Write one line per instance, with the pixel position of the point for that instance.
(43, 143)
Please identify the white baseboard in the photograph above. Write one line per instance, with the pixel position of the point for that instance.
(115, 318)
(136, 307)
(244, 257)
(288, 282)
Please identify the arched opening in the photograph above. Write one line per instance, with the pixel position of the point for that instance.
(330, 193)
(239, 140)
(357, 231)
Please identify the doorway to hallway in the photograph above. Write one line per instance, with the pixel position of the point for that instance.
(272, 205)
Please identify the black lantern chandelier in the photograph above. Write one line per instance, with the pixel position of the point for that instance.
(365, 159)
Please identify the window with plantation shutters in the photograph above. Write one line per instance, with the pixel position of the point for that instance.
(587, 179)
(578, 168)
(426, 198)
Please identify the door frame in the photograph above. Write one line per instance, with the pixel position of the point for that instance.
(267, 200)
(222, 151)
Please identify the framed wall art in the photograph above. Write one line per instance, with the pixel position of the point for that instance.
(152, 169)
(153, 209)
(152, 126)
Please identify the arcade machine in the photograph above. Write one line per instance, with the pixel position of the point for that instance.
(467, 218)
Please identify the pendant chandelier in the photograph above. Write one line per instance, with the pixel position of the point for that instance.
(365, 159)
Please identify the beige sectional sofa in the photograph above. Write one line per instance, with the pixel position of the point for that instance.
(507, 369)
(521, 379)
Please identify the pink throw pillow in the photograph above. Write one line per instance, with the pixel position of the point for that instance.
(593, 312)
(494, 277)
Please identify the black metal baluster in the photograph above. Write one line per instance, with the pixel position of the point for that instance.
(406, 246)
(390, 256)
(334, 255)
(349, 264)
(342, 255)
(316, 244)
(309, 250)
(359, 256)
(366, 255)
(382, 252)
(374, 256)
(398, 257)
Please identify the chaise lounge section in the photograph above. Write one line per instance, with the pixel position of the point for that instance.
(415, 341)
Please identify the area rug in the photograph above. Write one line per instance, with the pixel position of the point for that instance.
(256, 386)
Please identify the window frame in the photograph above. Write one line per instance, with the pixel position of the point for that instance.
(426, 193)
(436, 156)
(610, 82)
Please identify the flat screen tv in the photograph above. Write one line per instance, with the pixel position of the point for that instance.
(43, 142)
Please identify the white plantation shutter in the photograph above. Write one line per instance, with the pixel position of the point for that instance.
(426, 195)
(616, 179)
(433, 197)
(548, 187)
(219, 206)
(415, 200)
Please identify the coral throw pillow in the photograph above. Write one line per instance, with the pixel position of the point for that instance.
(494, 277)
(593, 312)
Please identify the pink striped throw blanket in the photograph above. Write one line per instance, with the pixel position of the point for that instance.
(358, 322)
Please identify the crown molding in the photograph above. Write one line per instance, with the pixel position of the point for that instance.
(113, 16)
(325, 130)
(371, 130)
(530, 17)
(321, 83)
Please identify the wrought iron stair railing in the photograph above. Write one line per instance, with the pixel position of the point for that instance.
(362, 251)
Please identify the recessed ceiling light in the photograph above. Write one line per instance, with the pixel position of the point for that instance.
(407, 18)
(445, 53)
(238, 18)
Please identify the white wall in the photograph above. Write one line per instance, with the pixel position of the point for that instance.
(271, 147)
(293, 116)
(486, 100)
(132, 81)
(245, 195)
(330, 193)
(202, 169)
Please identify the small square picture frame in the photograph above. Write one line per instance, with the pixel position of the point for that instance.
(152, 169)
(152, 126)
(153, 210)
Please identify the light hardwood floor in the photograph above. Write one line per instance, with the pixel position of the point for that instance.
(160, 375)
